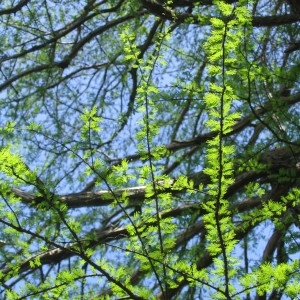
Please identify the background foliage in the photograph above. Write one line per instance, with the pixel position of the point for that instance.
(149, 149)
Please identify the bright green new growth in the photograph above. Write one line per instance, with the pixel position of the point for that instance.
(115, 214)
(222, 44)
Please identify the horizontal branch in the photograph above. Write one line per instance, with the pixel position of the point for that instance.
(274, 160)
(180, 17)
(239, 126)
(111, 233)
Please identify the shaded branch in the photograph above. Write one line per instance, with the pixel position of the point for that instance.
(14, 9)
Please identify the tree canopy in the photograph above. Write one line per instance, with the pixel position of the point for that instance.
(150, 149)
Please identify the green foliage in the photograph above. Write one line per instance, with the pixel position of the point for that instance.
(149, 150)
(90, 122)
(15, 169)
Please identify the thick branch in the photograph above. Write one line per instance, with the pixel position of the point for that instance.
(111, 233)
(14, 9)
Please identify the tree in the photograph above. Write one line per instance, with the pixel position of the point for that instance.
(150, 149)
